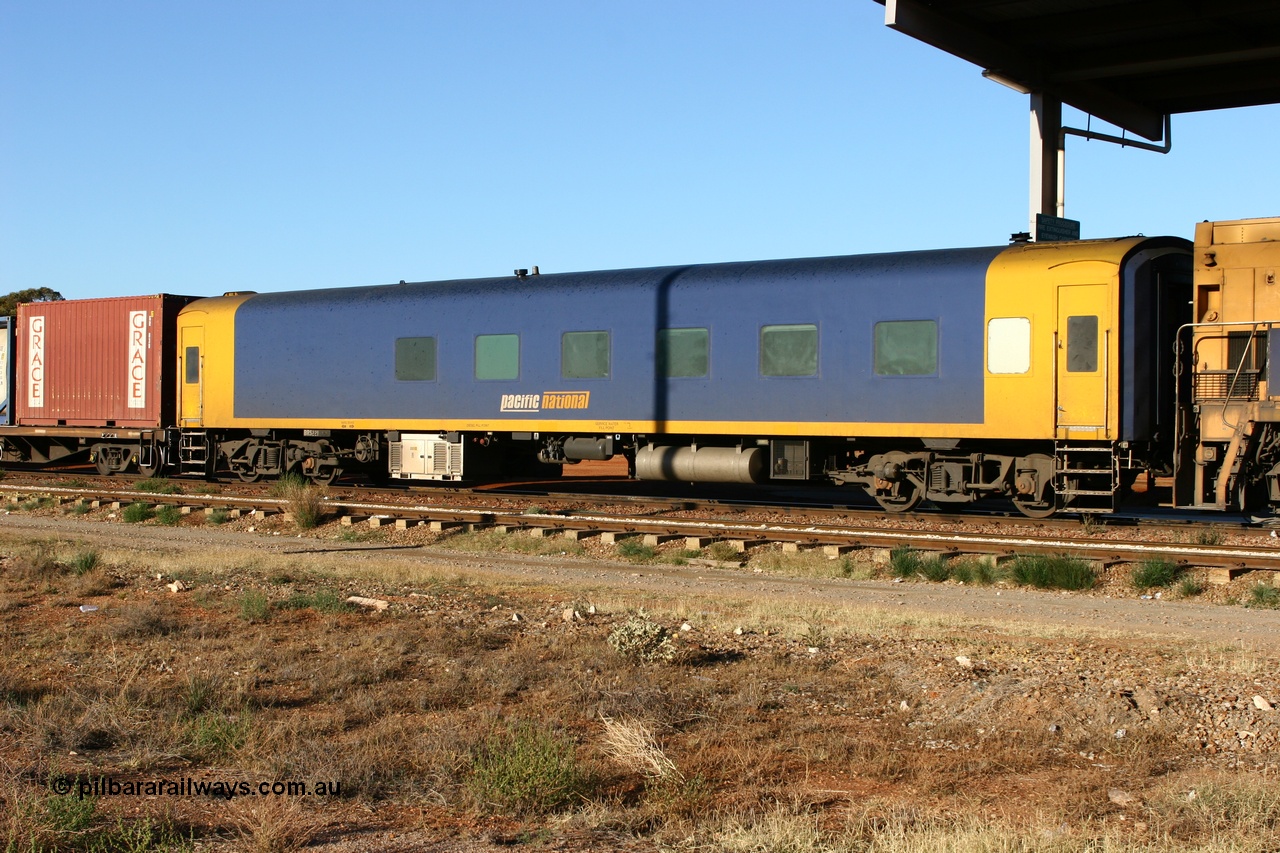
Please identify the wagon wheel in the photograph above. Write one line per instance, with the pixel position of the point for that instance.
(253, 475)
(103, 464)
(903, 497)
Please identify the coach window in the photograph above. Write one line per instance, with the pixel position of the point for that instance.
(683, 352)
(1082, 344)
(906, 348)
(416, 359)
(1009, 345)
(192, 367)
(584, 355)
(790, 350)
(497, 356)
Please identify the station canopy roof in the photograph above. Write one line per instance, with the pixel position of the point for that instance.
(1129, 62)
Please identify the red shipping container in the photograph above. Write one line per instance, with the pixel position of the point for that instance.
(97, 362)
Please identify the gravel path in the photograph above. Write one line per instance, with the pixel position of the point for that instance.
(1168, 618)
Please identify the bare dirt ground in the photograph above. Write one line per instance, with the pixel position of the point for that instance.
(801, 713)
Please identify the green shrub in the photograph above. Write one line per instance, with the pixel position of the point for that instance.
(525, 770)
(724, 552)
(1264, 595)
(158, 486)
(254, 606)
(305, 499)
(1209, 536)
(935, 568)
(39, 561)
(904, 561)
(202, 693)
(642, 640)
(138, 512)
(219, 516)
(1052, 572)
(815, 636)
(1159, 571)
(322, 601)
(214, 734)
(634, 548)
(71, 822)
(973, 571)
(169, 515)
(85, 562)
(1189, 587)
(69, 815)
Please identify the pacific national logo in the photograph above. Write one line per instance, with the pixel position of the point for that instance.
(546, 400)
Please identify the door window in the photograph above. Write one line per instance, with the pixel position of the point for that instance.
(1082, 344)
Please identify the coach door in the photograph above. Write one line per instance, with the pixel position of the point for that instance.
(1085, 341)
(191, 376)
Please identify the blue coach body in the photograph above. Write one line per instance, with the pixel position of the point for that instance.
(328, 355)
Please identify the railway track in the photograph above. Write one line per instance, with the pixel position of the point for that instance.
(811, 502)
(836, 532)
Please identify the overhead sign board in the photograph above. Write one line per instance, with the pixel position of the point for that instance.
(1053, 228)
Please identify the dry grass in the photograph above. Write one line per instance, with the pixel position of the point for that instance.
(815, 729)
(632, 744)
(304, 499)
(273, 824)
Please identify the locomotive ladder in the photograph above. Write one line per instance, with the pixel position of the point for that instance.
(193, 453)
(1086, 476)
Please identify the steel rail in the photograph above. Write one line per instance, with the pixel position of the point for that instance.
(582, 524)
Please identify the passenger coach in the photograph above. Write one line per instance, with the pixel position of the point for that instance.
(1038, 372)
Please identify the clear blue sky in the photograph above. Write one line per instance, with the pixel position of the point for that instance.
(198, 147)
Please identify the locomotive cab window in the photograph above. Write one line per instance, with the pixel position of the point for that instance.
(683, 353)
(906, 348)
(1246, 350)
(416, 359)
(790, 350)
(1009, 345)
(1082, 344)
(584, 355)
(191, 365)
(497, 356)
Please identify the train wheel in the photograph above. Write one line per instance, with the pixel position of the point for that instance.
(251, 476)
(325, 476)
(103, 464)
(1035, 479)
(904, 497)
(1037, 509)
(157, 466)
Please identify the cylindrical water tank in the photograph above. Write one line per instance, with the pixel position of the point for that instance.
(702, 464)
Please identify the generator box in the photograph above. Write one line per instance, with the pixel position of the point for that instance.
(97, 362)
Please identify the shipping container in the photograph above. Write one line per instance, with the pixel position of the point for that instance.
(6, 370)
(97, 362)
